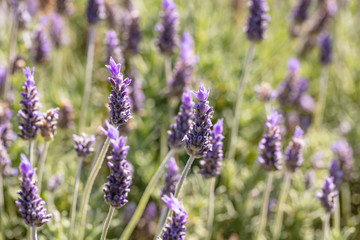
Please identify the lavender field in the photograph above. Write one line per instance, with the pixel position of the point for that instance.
(172, 120)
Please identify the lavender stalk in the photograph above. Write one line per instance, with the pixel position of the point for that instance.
(107, 223)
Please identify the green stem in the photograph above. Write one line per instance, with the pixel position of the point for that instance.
(211, 208)
(74, 201)
(145, 197)
(326, 226)
(107, 223)
(282, 200)
(42, 164)
(2, 212)
(346, 201)
(322, 97)
(31, 152)
(33, 233)
(88, 76)
(88, 186)
(162, 219)
(263, 216)
(167, 69)
(239, 98)
(337, 215)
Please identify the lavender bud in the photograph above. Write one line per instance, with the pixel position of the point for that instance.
(66, 115)
(64, 7)
(31, 206)
(47, 124)
(54, 182)
(336, 173)
(325, 49)
(197, 140)
(168, 29)
(175, 227)
(82, 144)
(344, 156)
(41, 47)
(300, 11)
(131, 33)
(171, 178)
(95, 11)
(183, 121)
(57, 30)
(309, 179)
(270, 144)
(328, 195)
(112, 47)
(257, 20)
(211, 163)
(29, 113)
(293, 153)
(265, 93)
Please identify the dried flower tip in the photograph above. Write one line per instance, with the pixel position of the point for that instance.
(82, 144)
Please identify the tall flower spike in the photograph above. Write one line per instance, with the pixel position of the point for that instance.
(328, 195)
(168, 29)
(171, 178)
(300, 11)
(95, 11)
(131, 33)
(257, 20)
(293, 153)
(57, 26)
(119, 101)
(336, 173)
(82, 144)
(120, 178)
(31, 206)
(183, 121)
(344, 156)
(325, 49)
(270, 144)
(112, 47)
(48, 123)
(175, 227)
(29, 113)
(212, 160)
(197, 140)
(41, 47)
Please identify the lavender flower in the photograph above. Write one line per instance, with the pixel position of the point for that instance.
(146, 224)
(257, 20)
(300, 11)
(7, 135)
(131, 33)
(114, 15)
(167, 40)
(325, 49)
(344, 156)
(41, 47)
(293, 154)
(183, 121)
(32, 6)
(211, 163)
(328, 195)
(54, 182)
(23, 16)
(120, 178)
(309, 179)
(82, 144)
(31, 206)
(95, 11)
(47, 124)
(197, 140)
(112, 47)
(136, 94)
(57, 30)
(64, 7)
(336, 173)
(171, 178)
(5, 162)
(66, 115)
(264, 92)
(270, 144)
(175, 227)
(29, 113)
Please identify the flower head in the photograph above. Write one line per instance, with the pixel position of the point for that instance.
(257, 20)
(300, 11)
(171, 178)
(293, 153)
(264, 92)
(5, 163)
(82, 144)
(41, 47)
(95, 11)
(131, 33)
(66, 115)
(325, 49)
(57, 30)
(48, 123)
(336, 173)
(328, 195)
(344, 155)
(112, 47)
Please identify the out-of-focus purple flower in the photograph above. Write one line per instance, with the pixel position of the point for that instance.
(257, 20)
(23, 16)
(171, 178)
(168, 28)
(136, 94)
(64, 7)
(29, 113)
(41, 45)
(197, 140)
(82, 144)
(5, 163)
(175, 227)
(211, 163)
(57, 30)
(146, 225)
(114, 15)
(95, 11)
(325, 47)
(54, 182)
(32, 6)
(270, 144)
(66, 114)
(183, 121)
(31, 206)
(7, 135)
(293, 65)
(344, 155)
(300, 11)
(111, 131)
(48, 124)
(325, 11)
(293, 153)
(150, 212)
(119, 101)
(309, 179)
(131, 33)
(336, 173)
(112, 47)
(328, 195)
(264, 92)
(2, 76)
(128, 211)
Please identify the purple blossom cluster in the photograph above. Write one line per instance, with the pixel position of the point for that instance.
(328, 195)
(293, 153)
(48, 123)
(131, 33)
(257, 20)
(41, 44)
(325, 46)
(82, 144)
(57, 26)
(171, 178)
(344, 156)
(300, 11)
(95, 11)
(112, 47)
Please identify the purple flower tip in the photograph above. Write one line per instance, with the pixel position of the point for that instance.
(25, 166)
(202, 94)
(168, 5)
(187, 97)
(218, 127)
(298, 132)
(114, 68)
(172, 203)
(293, 65)
(274, 118)
(29, 74)
(111, 131)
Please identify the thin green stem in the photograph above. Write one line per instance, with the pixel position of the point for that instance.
(239, 99)
(74, 201)
(33, 233)
(145, 197)
(322, 97)
(346, 201)
(31, 152)
(42, 164)
(211, 207)
(167, 69)
(282, 200)
(107, 223)
(162, 219)
(88, 186)
(88, 76)
(263, 216)
(337, 215)
(2, 211)
(326, 226)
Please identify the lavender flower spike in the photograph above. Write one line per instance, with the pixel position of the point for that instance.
(57, 30)
(95, 11)
(119, 101)
(41, 48)
(167, 40)
(47, 124)
(336, 173)
(175, 228)
(257, 20)
(344, 156)
(293, 154)
(328, 195)
(197, 140)
(300, 11)
(171, 178)
(31, 206)
(270, 144)
(82, 144)
(30, 107)
(112, 47)
(325, 49)
(182, 121)
(132, 33)
(211, 163)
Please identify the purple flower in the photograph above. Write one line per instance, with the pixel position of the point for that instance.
(41, 44)
(336, 173)
(168, 29)
(175, 227)
(328, 195)
(23, 16)
(183, 121)
(29, 113)
(31, 206)
(82, 144)
(300, 11)
(54, 182)
(325, 46)
(119, 101)
(64, 7)
(111, 131)
(171, 178)
(5, 163)
(293, 153)
(264, 92)
(211, 163)
(270, 144)
(136, 94)
(344, 155)
(66, 115)
(95, 11)
(112, 47)
(7, 135)
(57, 30)
(131, 33)
(32, 6)
(48, 123)
(197, 140)
(120, 178)
(257, 20)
